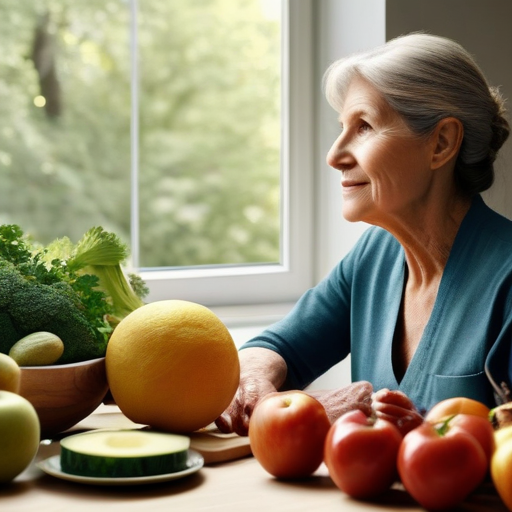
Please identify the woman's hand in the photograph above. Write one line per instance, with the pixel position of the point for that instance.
(336, 402)
(397, 408)
(236, 417)
(262, 371)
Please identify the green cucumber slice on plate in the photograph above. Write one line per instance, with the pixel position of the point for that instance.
(123, 453)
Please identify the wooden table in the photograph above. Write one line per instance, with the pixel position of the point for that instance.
(240, 485)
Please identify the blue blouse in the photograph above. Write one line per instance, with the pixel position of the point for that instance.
(465, 347)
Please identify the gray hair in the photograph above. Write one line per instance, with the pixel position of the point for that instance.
(426, 78)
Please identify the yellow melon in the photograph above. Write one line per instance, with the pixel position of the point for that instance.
(173, 365)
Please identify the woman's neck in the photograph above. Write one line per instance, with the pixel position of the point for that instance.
(427, 236)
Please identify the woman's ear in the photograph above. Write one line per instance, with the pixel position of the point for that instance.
(446, 139)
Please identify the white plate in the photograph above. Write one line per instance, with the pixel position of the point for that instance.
(51, 466)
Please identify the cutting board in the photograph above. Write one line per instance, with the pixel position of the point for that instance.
(212, 444)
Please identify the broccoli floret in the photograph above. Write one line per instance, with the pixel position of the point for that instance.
(138, 285)
(9, 335)
(10, 281)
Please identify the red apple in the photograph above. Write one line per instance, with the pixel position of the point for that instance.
(360, 454)
(287, 432)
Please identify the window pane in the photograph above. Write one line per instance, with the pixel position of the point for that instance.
(209, 132)
(209, 117)
(64, 116)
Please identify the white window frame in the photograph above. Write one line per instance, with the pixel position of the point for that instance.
(264, 283)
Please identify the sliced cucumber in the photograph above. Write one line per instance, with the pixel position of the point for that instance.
(123, 453)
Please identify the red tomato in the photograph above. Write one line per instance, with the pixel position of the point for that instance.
(480, 428)
(440, 468)
(360, 454)
(287, 432)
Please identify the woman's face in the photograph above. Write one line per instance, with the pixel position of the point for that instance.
(385, 168)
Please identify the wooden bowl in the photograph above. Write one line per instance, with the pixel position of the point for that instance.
(64, 394)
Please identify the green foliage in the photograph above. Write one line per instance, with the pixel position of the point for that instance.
(13, 245)
(209, 126)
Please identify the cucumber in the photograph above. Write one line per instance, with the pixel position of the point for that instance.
(123, 453)
(37, 349)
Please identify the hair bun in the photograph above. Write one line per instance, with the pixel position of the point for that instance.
(500, 126)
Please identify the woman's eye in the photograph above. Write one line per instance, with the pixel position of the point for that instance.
(364, 127)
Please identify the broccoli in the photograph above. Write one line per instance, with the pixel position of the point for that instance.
(10, 281)
(28, 306)
(9, 335)
(78, 292)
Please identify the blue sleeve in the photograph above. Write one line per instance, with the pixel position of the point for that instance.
(315, 335)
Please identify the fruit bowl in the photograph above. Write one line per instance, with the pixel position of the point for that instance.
(64, 394)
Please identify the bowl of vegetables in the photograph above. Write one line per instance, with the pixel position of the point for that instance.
(73, 293)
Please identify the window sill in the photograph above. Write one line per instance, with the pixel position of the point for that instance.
(252, 315)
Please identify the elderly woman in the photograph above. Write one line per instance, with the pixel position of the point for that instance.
(423, 302)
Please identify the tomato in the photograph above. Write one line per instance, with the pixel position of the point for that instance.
(287, 432)
(360, 454)
(480, 428)
(440, 467)
(457, 405)
(501, 465)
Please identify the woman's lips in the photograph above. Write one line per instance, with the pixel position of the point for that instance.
(349, 185)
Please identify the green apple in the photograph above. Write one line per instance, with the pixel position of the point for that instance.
(19, 435)
(10, 374)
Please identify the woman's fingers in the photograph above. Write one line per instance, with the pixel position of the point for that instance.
(237, 416)
(392, 397)
(397, 408)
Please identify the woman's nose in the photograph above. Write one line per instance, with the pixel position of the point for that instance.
(339, 156)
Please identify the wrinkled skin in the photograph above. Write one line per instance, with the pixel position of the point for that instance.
(236, 417)
(337, 402)
(397, 408)
(262, 371)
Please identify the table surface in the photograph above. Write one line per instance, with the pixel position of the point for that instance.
(235, 486)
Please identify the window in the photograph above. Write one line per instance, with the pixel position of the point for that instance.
(187, 135)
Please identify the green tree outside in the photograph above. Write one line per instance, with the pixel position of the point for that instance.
(209, 125)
